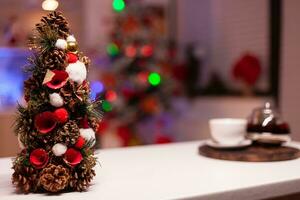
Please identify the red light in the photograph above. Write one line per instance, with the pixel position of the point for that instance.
(143, 77)
(147, 50)
(111, 95)
(130, 51)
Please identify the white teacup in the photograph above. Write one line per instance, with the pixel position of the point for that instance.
(228, 131)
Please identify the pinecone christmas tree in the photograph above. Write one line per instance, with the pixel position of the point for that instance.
(56, 129)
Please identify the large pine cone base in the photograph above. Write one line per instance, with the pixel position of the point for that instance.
(54, 178)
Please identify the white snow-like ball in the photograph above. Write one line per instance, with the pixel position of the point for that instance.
(77, 72)
(71, 38)
(88, 134)
(59, 149)
(61, 44)
(56, 100)
(21, 145)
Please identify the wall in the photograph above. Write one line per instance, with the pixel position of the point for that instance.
(290, 82)
(29, 13)
(226, 29)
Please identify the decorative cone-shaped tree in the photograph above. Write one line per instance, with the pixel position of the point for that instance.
(56, 129)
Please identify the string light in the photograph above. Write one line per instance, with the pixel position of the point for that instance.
(154, 79)
(143, 77)
(147, 50)
(118, 5)
(112, 49)
(96, 88)
(130, 51)
(50, 5)
(106, 106)
(111, 95)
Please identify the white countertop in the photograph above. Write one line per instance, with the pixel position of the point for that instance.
(174, 171)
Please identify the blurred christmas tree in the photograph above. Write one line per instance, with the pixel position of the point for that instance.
(142, 80)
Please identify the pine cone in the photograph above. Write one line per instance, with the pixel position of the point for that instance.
(54, 178)
(94, 123)
(29, 85)
(56, 21)
(83, 175)
(25, 178)
(86, 60)
(67, 92)
(68, 134)
(55, 59)
(73, 93)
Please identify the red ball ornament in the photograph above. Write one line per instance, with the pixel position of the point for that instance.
(72, 157)
(61, 115)
(80, 142)
(39, 158)
(72, 57)
(45, 122)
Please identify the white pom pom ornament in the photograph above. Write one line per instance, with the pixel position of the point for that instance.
(59, 149)
(56, 100)
(61, 44)
(88, 134)
(77, 72)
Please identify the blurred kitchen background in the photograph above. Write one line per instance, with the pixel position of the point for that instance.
(165, 67)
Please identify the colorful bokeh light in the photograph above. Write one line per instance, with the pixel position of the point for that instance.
(111, 95)
(143, 77)
(106, 106)
(154, 79)
(147, 50)
(112, 49)
(96, 88)
(118, 5)
(130, 51)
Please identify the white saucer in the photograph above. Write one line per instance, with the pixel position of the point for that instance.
(269, 138)
(216, 145)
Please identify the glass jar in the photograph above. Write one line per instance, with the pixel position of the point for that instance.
(266, 125)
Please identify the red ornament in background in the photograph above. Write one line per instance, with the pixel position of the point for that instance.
(45, 122)
(72, 57)
(247, 69)
(103, 125)
(39, 158)
(163, 139)
(80, 142)
(61, 115)
(72, 157)
(59, 79)
(125, 134)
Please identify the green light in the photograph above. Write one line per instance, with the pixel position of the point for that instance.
(154, 79)
(112, 49)
(106, 106)
(118, 5)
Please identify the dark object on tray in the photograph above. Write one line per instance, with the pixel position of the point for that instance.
(265, 125)
(253, 153)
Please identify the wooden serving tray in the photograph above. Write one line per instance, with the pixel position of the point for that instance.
(253, 153)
